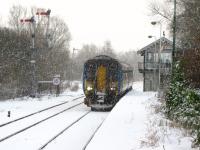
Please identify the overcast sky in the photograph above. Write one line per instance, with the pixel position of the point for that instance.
(126, 23)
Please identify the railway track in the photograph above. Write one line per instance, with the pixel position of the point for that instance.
(74, 123)
(38, 122)
(62, 131)
(37, 112)
(90, 139)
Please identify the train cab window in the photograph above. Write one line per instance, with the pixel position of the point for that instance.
(113, 77)
(113, 66)
(113, 72)
(90, 72)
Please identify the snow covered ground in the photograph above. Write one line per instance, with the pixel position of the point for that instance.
(133, 124)
(37, 136)
(26, 105)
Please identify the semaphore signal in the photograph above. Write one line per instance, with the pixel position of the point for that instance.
(32, 21)
(42, 12)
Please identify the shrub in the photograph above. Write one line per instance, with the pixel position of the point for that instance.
(183, 103)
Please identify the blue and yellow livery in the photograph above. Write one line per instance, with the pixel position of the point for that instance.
(105, 80)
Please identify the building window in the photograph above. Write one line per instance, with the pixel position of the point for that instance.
(166, 57)
(149, 57)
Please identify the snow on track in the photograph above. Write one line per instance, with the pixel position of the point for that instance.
(14, 127)
(78, 135)
(37, 112)
(22, 106)
(35, 137)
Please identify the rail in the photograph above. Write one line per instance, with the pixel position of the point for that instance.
(62, 131)
(38, 122)
(37, 112)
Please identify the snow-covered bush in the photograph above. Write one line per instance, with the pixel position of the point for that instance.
(182, 102)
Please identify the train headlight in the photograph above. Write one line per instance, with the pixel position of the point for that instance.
(112, 88)
(89, 88)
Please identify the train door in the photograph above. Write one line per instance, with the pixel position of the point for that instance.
(101, 79)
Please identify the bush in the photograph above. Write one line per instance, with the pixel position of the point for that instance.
(183, 103)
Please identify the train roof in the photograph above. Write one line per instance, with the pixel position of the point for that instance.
(102, 57)
(105, 57)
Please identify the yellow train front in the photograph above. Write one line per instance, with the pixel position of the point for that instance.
(105, 80)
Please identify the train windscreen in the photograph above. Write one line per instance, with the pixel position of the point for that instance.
(90, 71)
(113, 75)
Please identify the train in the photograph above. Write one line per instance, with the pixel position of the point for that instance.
(105, 81)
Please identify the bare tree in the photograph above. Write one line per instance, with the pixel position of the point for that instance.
(89, 51)
(15, 52)
(17, 12)
(107, 49)
(59, 33)
(161, 9)
(54, 56)
(86, 52)
(131, 58)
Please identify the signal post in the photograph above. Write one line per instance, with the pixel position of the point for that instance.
(32, 21)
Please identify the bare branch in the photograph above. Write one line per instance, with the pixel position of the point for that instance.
(159, 9)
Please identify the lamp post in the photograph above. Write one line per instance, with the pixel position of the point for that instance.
(174, 33)
(159, 51)
(154, 58)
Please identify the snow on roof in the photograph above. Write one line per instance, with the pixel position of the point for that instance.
(124, 64)
(152, 45)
